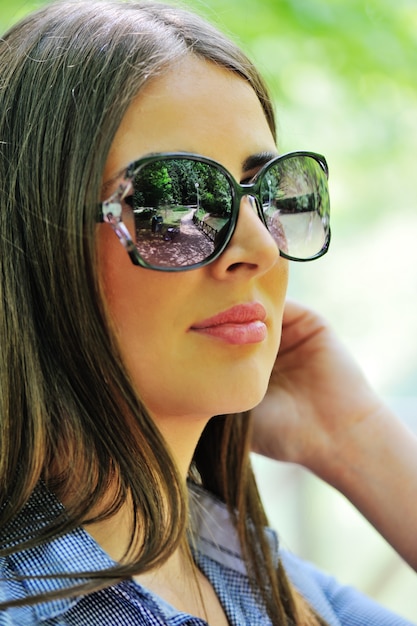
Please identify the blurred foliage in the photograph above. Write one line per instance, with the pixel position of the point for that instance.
(343, 74)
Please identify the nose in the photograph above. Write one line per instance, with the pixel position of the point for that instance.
(252, 249)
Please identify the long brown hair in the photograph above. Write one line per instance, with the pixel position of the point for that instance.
(68, 74)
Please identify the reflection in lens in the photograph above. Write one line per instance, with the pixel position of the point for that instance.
(182, 211)
(296, 205)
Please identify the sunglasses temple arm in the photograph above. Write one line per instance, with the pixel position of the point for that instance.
(124, 237)
(113, 219)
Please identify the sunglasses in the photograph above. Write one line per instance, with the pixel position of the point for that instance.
(178, 211)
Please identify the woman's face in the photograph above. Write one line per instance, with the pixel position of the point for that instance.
(185, 365)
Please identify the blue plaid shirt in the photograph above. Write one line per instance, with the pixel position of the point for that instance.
(129, 604)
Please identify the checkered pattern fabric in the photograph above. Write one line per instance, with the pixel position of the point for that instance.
(216, 552)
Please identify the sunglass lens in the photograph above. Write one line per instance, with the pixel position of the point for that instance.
(181, 209)
(296, 208)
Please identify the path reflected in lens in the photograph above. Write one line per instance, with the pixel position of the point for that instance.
(175, 243)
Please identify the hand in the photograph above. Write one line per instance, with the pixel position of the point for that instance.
(316, 394)
(320, 412)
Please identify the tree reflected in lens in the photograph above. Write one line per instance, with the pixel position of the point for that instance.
(181, 207)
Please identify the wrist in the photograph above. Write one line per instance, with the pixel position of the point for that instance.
(354, 446)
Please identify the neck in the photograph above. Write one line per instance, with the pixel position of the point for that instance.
(114, 533)
(182, 436)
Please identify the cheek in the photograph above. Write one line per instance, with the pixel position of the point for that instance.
(151, 313)
(143, 306)
(115, 272)
(124, 287)
(275, 284)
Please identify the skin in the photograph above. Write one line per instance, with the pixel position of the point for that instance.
(320, 412)
(154, 312)
(185, 376)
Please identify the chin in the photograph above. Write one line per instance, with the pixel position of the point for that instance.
(245, 400)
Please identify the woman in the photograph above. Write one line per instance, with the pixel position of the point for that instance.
(143, 293)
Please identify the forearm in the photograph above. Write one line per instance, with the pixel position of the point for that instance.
(320, 412)
(375, 467)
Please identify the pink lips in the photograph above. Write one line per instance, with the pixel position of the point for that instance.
(240, 325)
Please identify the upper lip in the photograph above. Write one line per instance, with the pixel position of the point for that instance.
(238, 314)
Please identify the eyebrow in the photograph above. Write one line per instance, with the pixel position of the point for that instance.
(257, 160)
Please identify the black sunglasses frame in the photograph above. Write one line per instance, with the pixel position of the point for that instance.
(111, 209)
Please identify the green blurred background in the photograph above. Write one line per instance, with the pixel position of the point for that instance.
(343, 74)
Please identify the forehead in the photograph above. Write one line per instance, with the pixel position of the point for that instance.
(195, 106)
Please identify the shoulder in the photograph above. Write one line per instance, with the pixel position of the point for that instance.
(220, 555)
(335, 602)
(13, 590)
(31, 569)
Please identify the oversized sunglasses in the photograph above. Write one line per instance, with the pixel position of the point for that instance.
(178, 211)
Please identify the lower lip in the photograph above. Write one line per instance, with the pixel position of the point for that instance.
(236, 334)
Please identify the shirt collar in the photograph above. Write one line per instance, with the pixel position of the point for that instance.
(214, 533)
(75, 551)
(213, 536)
